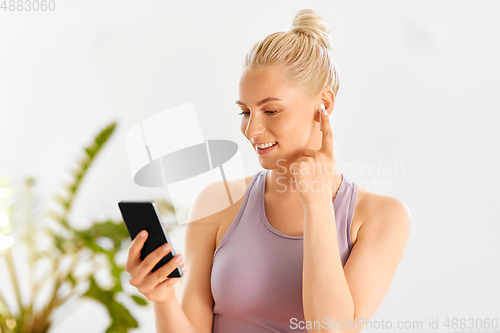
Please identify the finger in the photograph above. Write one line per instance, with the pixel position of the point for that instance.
(295, 167)
(320, 122)
(134, 252)
(170, 281)
(327, 138)
(163, 272)
(309, 152)
(152, 259)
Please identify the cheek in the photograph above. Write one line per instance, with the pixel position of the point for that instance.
(290, 125)
(295, 130)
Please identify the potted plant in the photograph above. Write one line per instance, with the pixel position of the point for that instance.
(96, 246)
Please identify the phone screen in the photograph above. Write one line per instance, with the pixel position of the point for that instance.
(144, 215)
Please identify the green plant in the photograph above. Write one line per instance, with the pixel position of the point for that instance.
(76, 247)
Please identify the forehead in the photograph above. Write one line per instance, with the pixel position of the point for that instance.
(259, 83)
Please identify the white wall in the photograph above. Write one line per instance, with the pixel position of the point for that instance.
(419, 90)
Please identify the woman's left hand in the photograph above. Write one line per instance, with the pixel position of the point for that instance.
(314, 170)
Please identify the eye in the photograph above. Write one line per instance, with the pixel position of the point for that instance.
(268, 112)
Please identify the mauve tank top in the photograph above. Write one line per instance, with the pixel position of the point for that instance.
(256, 278)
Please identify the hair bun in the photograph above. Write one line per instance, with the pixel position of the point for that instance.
(309, 22)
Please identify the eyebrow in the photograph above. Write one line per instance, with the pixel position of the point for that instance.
(265, 100)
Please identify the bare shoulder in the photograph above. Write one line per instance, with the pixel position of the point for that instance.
(382, 210)
(205, 206)
(211, 203)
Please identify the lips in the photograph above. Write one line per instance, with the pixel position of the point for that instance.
(267, 150)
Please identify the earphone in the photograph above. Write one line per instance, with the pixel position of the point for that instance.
(321, 106)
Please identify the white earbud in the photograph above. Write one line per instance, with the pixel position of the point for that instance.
(321, 107)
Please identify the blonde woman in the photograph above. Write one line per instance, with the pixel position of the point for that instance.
(304, 250)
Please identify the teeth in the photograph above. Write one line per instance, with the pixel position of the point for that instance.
(266, 145)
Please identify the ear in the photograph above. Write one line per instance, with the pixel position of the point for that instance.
(328, 99)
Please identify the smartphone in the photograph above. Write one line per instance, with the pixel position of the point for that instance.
(140, 215)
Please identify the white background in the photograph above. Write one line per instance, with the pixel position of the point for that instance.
(419, 89)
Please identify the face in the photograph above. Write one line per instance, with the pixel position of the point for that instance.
(291, 119)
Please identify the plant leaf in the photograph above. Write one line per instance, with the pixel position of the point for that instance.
(139, 300)
(72, 279)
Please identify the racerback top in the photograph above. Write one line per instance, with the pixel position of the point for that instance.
(256, 278)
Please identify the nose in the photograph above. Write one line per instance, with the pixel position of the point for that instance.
(254, 128)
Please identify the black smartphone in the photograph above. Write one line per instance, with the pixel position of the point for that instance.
(140, 215)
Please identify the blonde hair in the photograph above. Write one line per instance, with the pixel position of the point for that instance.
(303, 52)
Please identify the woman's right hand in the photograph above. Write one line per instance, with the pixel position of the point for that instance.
(156, 286)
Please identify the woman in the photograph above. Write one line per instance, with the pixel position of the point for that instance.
(303, 251)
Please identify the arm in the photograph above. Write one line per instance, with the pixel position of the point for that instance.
(194, 313)
(354, 292)
(169, 317)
